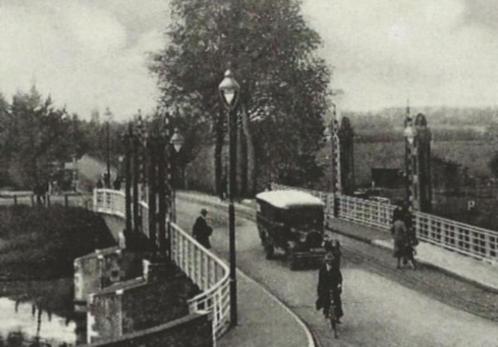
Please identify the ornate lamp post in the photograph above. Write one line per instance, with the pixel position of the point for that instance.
(229, 91)
(121, 158)
(164, 187)
(128, 140)
(176, 142)
(409, 133)
(108, 118)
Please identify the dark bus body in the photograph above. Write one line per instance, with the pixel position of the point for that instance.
(291, 221)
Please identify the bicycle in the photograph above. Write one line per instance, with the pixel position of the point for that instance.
(332, 316)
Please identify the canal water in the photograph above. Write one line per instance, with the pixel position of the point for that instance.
(31, 321)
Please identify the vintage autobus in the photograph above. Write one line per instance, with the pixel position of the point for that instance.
(291, 222)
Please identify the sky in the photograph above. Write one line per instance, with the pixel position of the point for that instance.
(90, 54)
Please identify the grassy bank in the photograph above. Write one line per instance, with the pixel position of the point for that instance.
(40, 243)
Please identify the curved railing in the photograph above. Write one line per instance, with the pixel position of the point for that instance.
(463, 238)
(204, 268)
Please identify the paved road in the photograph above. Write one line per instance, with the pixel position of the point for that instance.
(379, 311)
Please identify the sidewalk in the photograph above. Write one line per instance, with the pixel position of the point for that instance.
(461, 266)
(458, 265)
(263, 320)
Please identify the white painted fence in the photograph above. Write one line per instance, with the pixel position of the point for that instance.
(466, 239)
(204, 268)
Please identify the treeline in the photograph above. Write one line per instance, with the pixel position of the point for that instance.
(36, 136)
(447, 124)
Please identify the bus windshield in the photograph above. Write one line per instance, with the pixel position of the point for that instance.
(304, 217)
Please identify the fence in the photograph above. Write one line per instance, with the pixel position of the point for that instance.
(463, 238)
(67, 199)
(203, 267)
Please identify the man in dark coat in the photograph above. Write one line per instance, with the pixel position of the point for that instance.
(330, 283)
(201, 230)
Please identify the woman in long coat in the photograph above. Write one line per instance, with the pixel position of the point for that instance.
(400, 234)
(330, 282)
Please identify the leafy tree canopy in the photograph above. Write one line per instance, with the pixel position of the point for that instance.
(271, 50)
(34, 134)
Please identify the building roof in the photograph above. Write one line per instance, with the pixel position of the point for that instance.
(289, 198)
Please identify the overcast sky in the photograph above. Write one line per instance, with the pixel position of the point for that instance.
(92, 53)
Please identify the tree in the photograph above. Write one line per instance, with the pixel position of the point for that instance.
(35, 133)
(284, 86)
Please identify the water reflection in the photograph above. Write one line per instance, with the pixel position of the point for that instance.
(23, 324)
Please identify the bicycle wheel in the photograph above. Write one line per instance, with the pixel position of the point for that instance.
(333, 320)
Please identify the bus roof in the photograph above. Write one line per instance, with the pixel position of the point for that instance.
(289, 198)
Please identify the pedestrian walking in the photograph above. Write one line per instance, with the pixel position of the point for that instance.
(201, 229)
(38, 191)
(330, 287)
(399, 233)
(411, 238)
(100, 184)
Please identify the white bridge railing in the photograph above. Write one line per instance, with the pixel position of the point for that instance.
(470, 240)
(204, 268)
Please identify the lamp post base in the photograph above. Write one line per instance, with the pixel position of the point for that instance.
(233, 268)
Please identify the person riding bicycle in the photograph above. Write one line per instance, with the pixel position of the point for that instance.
(330, 287)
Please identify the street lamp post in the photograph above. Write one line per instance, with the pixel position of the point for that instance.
(176, 143)
(108, 117)
(409, 134)
(120, 174)
(128, 143)
(229, 91)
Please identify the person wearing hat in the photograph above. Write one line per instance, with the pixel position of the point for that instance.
(201, 230)
(329, 283)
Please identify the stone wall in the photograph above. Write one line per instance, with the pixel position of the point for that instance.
(104, 316)
(137, 304)
(127, 311)
(155, 303)
(101, 269)
(194, 330)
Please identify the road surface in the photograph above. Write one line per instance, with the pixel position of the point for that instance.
(378, 311)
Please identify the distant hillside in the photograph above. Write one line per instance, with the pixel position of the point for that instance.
(451, 116)
(472, 154)
(447, 124)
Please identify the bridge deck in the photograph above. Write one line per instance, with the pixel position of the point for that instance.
(462, 266)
